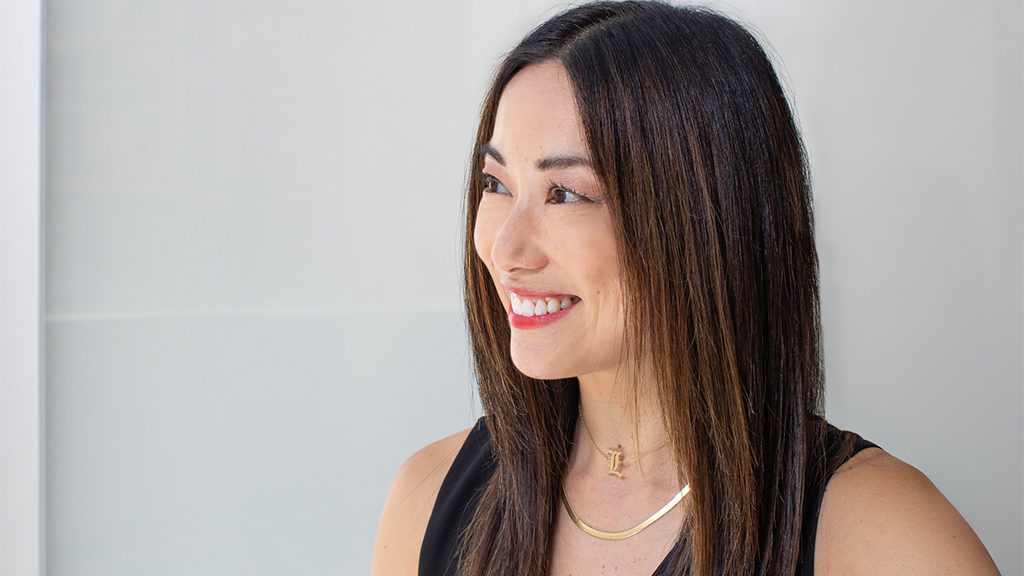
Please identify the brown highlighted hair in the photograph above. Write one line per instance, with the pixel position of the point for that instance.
(706, 180)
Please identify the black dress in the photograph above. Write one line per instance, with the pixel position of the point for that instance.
(473, 466)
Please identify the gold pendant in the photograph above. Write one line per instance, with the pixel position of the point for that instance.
(614, 459)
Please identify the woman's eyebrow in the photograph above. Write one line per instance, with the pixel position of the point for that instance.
(488, 150)
(549, 163)
(568, 161)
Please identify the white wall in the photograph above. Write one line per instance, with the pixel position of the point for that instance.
(21, 284)
(253, 308)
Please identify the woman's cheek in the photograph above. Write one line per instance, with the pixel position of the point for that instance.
(483, 237)
(490, 216)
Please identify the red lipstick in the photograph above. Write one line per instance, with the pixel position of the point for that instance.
(530, 322)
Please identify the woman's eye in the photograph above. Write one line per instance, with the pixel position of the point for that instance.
(492, 185)
(561, 195)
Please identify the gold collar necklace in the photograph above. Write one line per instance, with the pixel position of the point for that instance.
(614, 457)
(625, 533)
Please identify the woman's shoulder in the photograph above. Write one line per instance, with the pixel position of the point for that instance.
(408, 506)
(881, 515)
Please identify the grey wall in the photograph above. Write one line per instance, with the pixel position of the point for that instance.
(252, 258)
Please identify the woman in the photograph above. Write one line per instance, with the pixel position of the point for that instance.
(641, 288)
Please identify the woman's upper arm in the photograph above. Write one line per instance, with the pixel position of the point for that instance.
(408, 506)
(882, 516)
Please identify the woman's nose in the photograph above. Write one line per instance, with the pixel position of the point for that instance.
(517, 245)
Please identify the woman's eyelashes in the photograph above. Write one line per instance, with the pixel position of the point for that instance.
(491, 184)
(563, 195)
(557, 193)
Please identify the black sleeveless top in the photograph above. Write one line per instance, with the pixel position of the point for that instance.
(473, 466)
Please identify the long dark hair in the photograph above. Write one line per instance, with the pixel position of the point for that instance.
(706, 180)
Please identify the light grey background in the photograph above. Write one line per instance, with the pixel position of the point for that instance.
(252, 260)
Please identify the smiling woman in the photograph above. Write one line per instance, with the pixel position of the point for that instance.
(545, 234)
(642, 295)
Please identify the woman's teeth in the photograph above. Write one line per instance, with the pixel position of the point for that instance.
(541, 306)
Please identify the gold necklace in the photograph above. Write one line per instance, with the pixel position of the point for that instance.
(625, 533)
(614, 457)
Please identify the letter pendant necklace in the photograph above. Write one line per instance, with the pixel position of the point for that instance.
(614, 457)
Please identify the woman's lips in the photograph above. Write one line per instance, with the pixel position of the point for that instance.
(527, 312)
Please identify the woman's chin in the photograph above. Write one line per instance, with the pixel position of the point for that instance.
(541, 368)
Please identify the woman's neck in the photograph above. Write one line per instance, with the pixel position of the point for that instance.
(620, 417)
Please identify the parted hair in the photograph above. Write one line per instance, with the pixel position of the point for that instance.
(705, 175)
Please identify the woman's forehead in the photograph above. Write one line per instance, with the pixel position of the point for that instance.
(537, 116)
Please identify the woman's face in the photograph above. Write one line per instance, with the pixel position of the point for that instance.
(544, 232)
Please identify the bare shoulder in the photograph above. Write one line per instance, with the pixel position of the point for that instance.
(407, 508)
(882, 516)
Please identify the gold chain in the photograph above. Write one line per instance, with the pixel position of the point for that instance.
(625, 533)
(614, 457)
